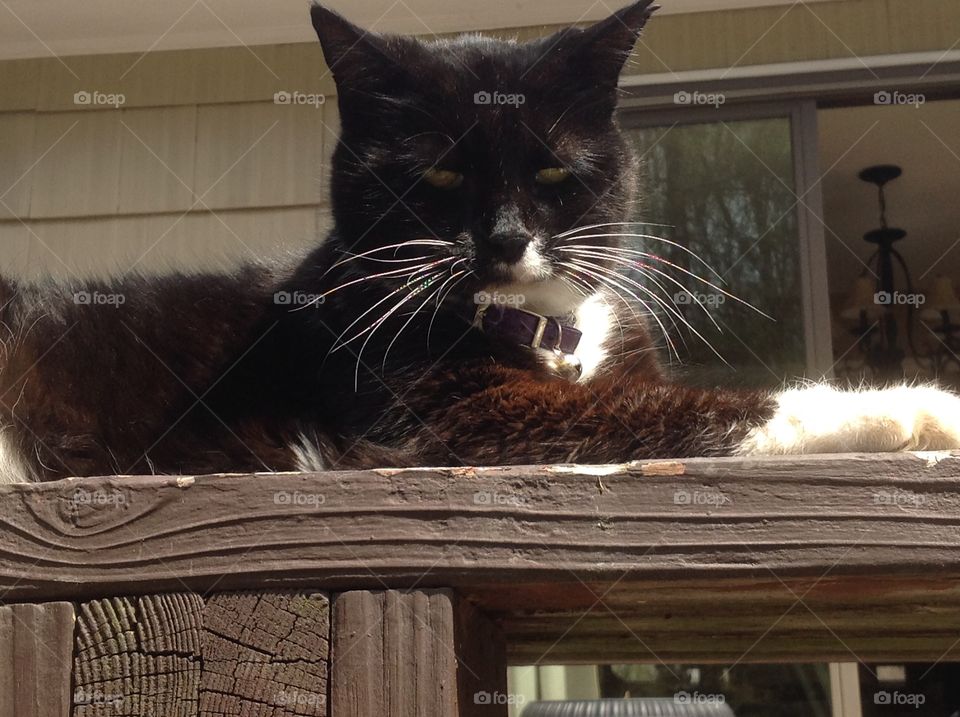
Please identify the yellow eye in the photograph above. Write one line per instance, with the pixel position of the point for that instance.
(552, 175)
(443, 178)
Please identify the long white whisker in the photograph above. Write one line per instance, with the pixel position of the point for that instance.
(654, 257)
(430, 295)
(410, 242)
(654, 237)
(441, 297)
(568, 276)
(411, 291)
(669, 307)
(589, 270)
(407, 270)
(672, 312)
(588, 227)
(642, 268)
(378, 324)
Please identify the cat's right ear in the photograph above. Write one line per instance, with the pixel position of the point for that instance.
(350, 51)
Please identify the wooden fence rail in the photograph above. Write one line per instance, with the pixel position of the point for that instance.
(406, 592)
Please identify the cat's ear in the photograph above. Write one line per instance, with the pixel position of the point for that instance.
(601, 50)
(351, 52)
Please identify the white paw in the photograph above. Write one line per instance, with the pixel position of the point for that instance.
(822, 419)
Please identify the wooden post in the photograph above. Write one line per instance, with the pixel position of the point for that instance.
(425, 653)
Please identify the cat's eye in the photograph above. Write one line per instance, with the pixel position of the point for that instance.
(443, 178)
(552, 175)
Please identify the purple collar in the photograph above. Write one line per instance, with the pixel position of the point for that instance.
(526, 328)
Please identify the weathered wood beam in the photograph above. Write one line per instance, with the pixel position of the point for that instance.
(625, 552)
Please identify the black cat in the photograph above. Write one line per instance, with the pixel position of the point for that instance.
(446, 319)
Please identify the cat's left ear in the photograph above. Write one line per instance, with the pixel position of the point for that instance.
(602, 49)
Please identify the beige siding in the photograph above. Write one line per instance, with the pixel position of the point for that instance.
(80, 174)
(259, 154)
(72, 248)
(157, 159)
(17, 154)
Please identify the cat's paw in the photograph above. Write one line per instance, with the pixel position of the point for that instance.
(823, 419)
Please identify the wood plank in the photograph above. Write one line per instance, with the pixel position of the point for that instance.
(138, 656)
(80, 170)
(176, 77)
(157, 243)
(265, 653)
(423, 653)
(259, 155)
(36, 646)
(19, 154)
(16, 248)
(157, 165)
(870, 542)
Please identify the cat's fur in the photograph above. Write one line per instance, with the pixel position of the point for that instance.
(208, 373)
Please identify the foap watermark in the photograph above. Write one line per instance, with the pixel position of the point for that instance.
(897, 98)
(95, 98)
(299, 499)
(98, 298)
(99, 497)
(86, 696)
(698, 698)
(296, 698)
(488, 298)
(899, 498)
(512, 99)
(298, 298)
(297, 98)
(713, 498)
(487, 497)
(699, 99)
(498, 698)
(898, 298)
(688, 298)
(900, 699)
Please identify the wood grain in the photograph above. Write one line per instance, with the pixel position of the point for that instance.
(638, 560)
(36, 643)
(414, 654)
(138, 656)
(265, 653)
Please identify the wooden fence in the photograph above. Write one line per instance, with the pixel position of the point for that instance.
(407, 592)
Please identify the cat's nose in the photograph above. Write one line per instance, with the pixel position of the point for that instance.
(509, 246)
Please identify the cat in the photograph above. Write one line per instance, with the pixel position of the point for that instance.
(436, 324)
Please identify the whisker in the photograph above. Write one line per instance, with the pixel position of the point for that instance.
(441, 297)
(654, 237)
(398, 273)
(654, 257)
(431, 295)
(373, 328)
(396, 247)
(608, 224)
(411, 289)
(672, 312)
(641, 267)
(589, 270)
(669, 307)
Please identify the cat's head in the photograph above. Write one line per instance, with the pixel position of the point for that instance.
(480, 150)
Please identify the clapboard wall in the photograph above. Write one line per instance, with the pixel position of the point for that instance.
(200, 167)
